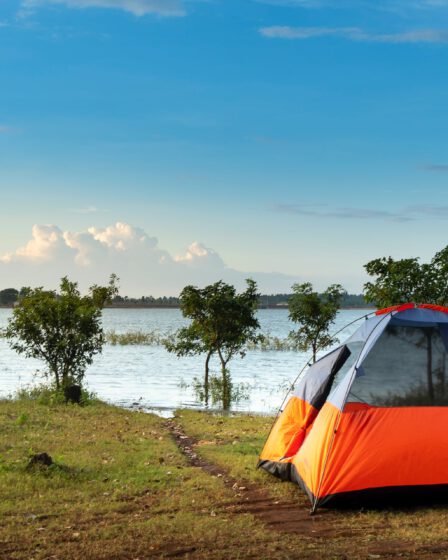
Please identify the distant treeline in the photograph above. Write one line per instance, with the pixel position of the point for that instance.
(281, 300)
(9, 296)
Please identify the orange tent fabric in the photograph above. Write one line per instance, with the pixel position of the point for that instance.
(343, 452)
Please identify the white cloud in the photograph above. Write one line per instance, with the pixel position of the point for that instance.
(46, 244)
(355, 34)
(122, 237)
(135, 7)
(144, 268)
(198, 254)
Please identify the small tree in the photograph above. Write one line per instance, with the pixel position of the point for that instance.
(315, 314)
(407, 280)
(8, 296)
(222, 323)
(62, 329)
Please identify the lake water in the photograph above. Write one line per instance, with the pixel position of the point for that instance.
(153, 379)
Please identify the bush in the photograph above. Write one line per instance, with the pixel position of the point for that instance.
(62, 329)
(49, 395)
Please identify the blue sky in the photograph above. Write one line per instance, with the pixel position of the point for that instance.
(289, 140)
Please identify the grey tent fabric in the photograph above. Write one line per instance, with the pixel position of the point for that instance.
(315, 386)
(368, 333)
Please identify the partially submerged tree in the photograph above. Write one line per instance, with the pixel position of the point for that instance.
(222, 323)
(407, 280)
(315, 313)
(62, 329)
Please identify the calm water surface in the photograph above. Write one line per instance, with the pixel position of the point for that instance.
(151, 377)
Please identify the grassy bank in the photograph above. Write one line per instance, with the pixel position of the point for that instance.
(121, 489)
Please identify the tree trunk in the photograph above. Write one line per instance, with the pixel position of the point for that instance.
(56, 376)
(314, 346)
(226, 389)
(226, 396)
(206, 378)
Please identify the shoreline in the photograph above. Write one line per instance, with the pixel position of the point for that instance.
(157, 306)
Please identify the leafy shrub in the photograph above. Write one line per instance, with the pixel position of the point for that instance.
(49, 395)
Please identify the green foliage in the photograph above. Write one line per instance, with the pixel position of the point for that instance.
(22, 419)
(61, 329)
(222, 322)
(407, 280)
(315, 313)
(48, 394)
(217, 387)
(8, 296)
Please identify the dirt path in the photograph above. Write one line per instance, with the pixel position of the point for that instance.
(283, 516)
(290, 517)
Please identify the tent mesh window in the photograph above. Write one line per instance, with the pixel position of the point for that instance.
(408, 366)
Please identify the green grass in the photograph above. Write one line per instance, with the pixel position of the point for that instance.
(120, 489)
(234, 444)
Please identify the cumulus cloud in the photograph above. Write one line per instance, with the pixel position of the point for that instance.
(198, 254)
(144, 268)
(47, 243)
(122, 237)
(355, 34)
(136, 7)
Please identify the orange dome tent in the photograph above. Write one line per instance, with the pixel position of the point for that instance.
(368, 422)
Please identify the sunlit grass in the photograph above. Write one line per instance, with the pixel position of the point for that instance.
(120, 488)
(235, 442)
